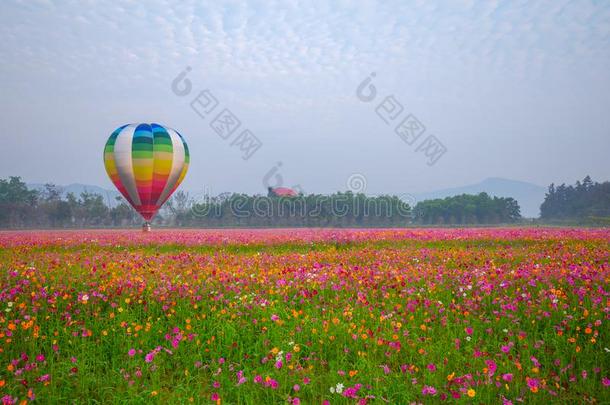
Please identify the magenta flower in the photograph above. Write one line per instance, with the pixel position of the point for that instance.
(491, 367)
(532, 384)
(131, 352)
(606, 381)
(428, 390)
(508, 377)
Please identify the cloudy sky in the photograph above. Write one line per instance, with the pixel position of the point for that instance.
(514, 89)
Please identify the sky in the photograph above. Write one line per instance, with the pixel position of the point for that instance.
(512, 89)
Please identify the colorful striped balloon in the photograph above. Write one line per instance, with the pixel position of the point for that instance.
(146, 163)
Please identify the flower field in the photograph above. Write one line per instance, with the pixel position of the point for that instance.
(305, 316)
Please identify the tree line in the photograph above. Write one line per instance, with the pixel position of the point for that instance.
(22, 207)
(581, 201)
(467, 209)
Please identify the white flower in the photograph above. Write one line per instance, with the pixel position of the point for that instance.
(10, 304)
(332, 390)
(607, 350)
(505, 330)
(85, 297)
(468, 338)
(339, 388)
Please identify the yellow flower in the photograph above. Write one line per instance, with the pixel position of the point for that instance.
(154, 393)
(450, 376)
(471, 393)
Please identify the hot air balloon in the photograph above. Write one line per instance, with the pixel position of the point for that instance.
(146, 163)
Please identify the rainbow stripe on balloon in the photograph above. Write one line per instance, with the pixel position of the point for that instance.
(146, 163)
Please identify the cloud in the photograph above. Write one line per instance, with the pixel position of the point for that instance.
(299, 62)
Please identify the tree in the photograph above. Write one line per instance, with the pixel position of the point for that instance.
(586, 199)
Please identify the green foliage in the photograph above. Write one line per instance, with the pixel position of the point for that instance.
(586, 200)
(467, 209)
(21, 207)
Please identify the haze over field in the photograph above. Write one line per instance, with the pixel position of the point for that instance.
(511, 89)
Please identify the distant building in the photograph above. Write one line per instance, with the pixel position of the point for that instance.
(281, 192)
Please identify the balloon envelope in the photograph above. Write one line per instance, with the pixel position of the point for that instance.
(146, 163)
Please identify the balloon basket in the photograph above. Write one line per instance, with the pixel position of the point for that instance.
(146, 227)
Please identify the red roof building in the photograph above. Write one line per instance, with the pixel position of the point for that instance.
(281, 192)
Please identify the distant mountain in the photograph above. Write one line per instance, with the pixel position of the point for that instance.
(529, 195)
(77, 189)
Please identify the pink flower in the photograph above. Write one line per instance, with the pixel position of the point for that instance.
(535, 361)
(428, 390)
(131, 352)
(532, 384)
(215, 396)
(221, 360)
(45, 377)
(296, 401)
(306, 380)
(606, 381)
(258, 379)
(468, 330)
(352, 392)
(149, 357)
(491, 367)
(431, 367)
(279, 364)
(40, 358)
(296, 387)
(275, 318)
(216, 384)
(508, 377)
(505, 349)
